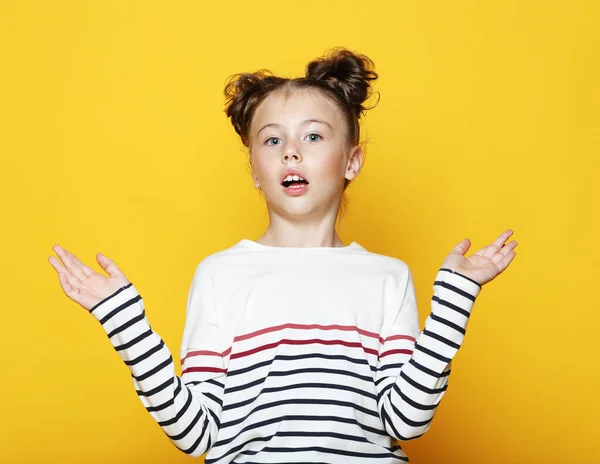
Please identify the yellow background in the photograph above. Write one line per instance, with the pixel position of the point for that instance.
(113, 139)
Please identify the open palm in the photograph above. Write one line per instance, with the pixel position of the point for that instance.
(81, 283)
(485, 264)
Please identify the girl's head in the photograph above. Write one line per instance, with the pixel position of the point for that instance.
(308, 124)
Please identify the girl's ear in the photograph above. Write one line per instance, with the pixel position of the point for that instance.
(354, 163)
(254, 176)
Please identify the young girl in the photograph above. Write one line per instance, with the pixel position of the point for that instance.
(296, 347)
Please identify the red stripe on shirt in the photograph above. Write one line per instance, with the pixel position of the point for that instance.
(191, 354)
(387, 353)
(351, 328)
(400, 337)
(302, 342)
(204, 369)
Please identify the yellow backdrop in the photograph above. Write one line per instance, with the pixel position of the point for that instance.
(113, 139)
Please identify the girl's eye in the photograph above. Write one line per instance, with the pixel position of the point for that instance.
(271, 138)
(313, 137)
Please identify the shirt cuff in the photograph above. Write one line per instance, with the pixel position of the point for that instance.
(119, 308)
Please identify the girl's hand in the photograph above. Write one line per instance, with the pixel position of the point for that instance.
(487, 263)
(82, 284)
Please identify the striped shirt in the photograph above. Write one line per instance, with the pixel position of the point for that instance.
(290, 355)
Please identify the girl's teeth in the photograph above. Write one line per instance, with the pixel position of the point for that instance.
(292, 178)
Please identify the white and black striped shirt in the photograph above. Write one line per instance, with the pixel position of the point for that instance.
(290, 355)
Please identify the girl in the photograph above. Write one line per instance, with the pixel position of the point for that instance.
(296, 346)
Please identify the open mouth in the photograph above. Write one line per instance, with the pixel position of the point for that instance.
(294, 182)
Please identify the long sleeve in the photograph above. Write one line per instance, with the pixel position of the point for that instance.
(187, 408)
(414, 365)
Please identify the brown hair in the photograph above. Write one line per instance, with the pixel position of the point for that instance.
(341, 75)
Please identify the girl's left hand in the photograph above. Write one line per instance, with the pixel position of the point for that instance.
(484, 265)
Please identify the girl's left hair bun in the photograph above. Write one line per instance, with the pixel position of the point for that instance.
(242, 92)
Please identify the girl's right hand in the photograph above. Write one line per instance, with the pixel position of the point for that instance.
(81, 283)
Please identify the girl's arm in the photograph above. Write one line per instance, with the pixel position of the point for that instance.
(413, 368)
(187, 408)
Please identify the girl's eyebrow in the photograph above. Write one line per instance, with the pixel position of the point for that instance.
(306, 121)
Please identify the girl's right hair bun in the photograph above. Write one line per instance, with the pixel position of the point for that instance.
(347, 73)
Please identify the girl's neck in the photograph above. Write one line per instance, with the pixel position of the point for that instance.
(269, 240)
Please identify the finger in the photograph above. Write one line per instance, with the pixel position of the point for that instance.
(504, 262)
(61, 269)
(508, 248)
(86, 270)
(462, 247)
(74, 282)
(73, 268)
(492, 249)
(500, 257)
(108, 265)
(70, 288)
(57, 265)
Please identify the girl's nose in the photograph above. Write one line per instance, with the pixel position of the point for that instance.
(291, 151)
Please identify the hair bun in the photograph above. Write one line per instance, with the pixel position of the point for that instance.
(243, 92)
(347, 73)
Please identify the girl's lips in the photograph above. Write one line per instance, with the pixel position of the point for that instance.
(293, 171)
(295, 190)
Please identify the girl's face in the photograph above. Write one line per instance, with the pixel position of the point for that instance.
(306, 131)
